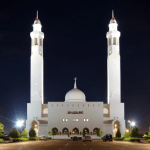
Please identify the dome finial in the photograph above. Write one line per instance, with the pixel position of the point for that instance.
(112, 14)
(37, 14)
(75, 85)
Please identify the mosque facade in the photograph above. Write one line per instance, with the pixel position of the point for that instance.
(75, 113)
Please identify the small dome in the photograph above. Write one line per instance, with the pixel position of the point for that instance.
(75, 95)
(37, 21)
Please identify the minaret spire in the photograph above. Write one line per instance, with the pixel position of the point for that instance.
(75, 85)
(37, 14)
(112, 14)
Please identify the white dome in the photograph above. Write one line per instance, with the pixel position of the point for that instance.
(75, 95)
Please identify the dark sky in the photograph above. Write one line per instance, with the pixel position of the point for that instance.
(75, 45)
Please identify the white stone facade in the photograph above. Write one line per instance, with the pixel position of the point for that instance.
(75, 114)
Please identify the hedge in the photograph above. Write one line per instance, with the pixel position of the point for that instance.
(132, 139)
(48, 138)
(118, 139)
(23, 139)
(2, 141)
(34, 138)
(148, 141)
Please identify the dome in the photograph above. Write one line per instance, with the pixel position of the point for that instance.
(75, 95)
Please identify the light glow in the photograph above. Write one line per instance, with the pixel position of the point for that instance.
(20, 123)
(132, 123)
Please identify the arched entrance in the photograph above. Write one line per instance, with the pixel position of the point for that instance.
(56, 130)
(95, 131)
(75, 131)
(35, 127)
(65, 131)
(86, 131)
(116, 127)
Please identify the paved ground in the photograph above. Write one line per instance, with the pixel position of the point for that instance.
(74, 145)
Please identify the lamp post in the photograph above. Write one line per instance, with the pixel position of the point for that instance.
(132, 123)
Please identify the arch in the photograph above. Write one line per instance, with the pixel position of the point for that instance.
(86, 130)
(105, 111)
(45, 111)
(65, 131)
(75, 131)
(116, 127)
(95, 131)
(56, 130)
(35, 127)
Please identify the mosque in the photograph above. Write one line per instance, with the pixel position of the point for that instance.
(75, 114)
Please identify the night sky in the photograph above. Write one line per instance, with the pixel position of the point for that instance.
(75, 45)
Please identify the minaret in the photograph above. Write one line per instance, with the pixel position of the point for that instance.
(36, 78)
(113, 62)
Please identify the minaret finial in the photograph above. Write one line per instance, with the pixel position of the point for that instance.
(75, 85)
(37, 14)
(112, 14)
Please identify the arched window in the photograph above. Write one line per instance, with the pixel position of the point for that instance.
(114, 41)
(45, 111)
(105, 111)
(40, 42)
(109, 41)
(36, 41)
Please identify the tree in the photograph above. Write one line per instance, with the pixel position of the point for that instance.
(118, 134)
(99, 133)
(53, 132)
(135, 132)
(126, 135)
(14, 133)
(84, 132)
(32, 133)
(1, 130)
(24, 133)
(149, 132)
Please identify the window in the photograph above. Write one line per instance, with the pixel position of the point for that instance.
(63, 119)
(35, 57)
(109, 41)
(35, 83)
(45, 111)
(36, 41)
(105, 111)
(40, 42)
(114, 91)
(36, 66)
(35, 74)
(114, 41)
(40, 52)
(66, 119)
(32, 52)
(109, 52)
(84, 119)
(114, 74)
(76, 119)
(87, 119)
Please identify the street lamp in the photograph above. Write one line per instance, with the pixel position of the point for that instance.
(132, 123)
(20, 124)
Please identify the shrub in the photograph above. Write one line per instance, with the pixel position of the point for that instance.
(32, 133)
(24, 133)
(132, 139)
(14, 133)
(126, 135)
(53, 132)
(34, 138)
(148, 141)
(80, 138)
(118, 134)
(48, 138)
(15, 140)
(118, 139)
(23, 139)
(99, 133)
(135, 132)
(2, 141)
(1, 130)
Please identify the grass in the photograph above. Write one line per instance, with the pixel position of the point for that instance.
(148, 140)
(118, 139)
(132, 139)
(2, 141)
(23, 139)
(34, 138)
